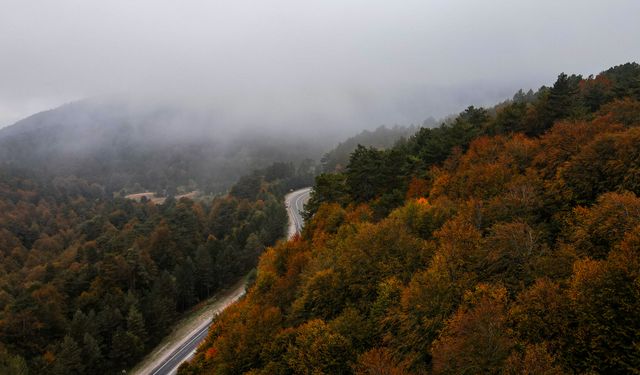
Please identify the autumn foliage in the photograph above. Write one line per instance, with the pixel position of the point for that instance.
(495, 244)
(89, 283)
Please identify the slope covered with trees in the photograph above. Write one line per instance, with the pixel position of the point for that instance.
(381, 138)
(504, 242)
(89, 283)
(120, 145)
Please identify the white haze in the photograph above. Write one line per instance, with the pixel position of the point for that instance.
(312, 66)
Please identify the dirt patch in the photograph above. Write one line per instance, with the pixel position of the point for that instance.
(151, 196)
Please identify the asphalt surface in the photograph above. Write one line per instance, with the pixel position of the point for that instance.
(169, 365)
(294, 202)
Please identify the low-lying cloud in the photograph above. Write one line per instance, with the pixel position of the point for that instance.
(304, 65)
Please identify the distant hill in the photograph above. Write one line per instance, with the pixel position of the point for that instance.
(121, 145)
(382, 138)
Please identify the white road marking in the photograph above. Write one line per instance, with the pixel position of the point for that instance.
(294, 203)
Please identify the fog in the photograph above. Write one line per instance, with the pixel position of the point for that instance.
(307, 66)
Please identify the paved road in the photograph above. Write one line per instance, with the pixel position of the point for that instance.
(294, 202)
(186, 347)
(184, 352)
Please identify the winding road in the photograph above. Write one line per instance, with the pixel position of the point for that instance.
(166, 360)
(295, 202)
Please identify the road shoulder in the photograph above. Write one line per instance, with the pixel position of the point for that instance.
(199, 317)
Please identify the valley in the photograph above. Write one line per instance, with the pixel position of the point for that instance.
(330, 187)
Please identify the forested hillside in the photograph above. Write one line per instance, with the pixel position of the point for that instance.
(381, 138)
(503, 242)
(89, 283)
(120, 145)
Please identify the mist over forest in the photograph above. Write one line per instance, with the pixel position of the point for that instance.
(120, 145)
(198, 95)
(319, 187)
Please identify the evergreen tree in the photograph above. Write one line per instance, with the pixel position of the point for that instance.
(365, 166)
(91, 353)
(125, 347)
(135, 325)
(161, 304)
(185, 284)
(12, 364)
(205, 278)
(68, 358)
(79, 325)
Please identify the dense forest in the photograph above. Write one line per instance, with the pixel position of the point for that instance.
(506, 241)
(381, 138)
(89, 283)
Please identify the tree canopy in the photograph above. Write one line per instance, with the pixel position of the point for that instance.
(503, 242)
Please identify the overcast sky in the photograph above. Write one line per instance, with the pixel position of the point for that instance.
(295, 62)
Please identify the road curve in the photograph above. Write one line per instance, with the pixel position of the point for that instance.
(295, 202)
(169, 360)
